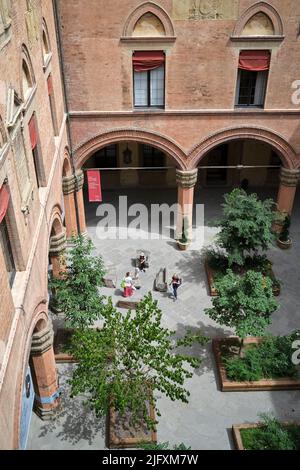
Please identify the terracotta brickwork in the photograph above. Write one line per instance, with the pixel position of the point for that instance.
(28, 218)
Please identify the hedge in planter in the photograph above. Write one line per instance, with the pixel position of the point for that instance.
(270, 434)
(131, 355)
(76, 293)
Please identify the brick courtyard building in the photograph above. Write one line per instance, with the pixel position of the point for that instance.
(171, 94)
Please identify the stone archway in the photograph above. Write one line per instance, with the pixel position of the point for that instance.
(57, 243)
(69, 190)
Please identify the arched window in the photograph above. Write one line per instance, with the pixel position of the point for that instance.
(259, 25)
(149, 25)
(46, 45)
(28, 81)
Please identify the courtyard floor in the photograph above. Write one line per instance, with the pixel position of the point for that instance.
(205, 423)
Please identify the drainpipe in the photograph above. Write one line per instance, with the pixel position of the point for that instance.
(65, 93)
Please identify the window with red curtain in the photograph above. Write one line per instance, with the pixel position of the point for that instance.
(4, 200)
(50, 85)
(149, 79)
(252, 78)
(33, 132)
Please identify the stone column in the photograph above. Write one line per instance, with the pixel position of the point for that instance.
(80, 202)
(69, 185)
(186, 181)
(289, 180)
(44, 374)
(56, 254)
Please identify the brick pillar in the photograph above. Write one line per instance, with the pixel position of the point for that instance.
(56, 254)
(69, 185)
(287, 189)
(186, 181)
(44, 375)
(80, 202)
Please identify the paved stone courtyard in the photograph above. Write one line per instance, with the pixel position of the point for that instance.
(206, 421)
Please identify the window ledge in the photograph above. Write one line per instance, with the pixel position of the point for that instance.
(29, 99)
(147, 40)
(247, 109)
(47, 60)
(27, 200)
(148, 110)
(257, 38)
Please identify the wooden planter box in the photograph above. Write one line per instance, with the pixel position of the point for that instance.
(61, 339)
(128, 304)
(284, 383)
(211, 275)
(237, 428)
(121, 435)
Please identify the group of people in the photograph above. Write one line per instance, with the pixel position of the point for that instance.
(129, 284)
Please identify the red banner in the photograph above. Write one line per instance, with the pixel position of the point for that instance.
(94, 184)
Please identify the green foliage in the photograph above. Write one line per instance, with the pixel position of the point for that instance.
(246, 226)
(245, 303)
(131, 355)
(163, 446)
(76, 293)
(272, 435)
(270, 359)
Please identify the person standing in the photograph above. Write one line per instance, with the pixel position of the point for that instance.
(128, 286)
(175, 283)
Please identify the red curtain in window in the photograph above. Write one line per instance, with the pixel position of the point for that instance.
(4, 200)
(255, 61)
(149, 60)
(33, 132)
(50, 85)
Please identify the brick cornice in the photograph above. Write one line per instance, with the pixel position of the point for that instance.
(86, 148)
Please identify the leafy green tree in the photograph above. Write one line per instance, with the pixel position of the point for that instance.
(76, 292)
(130, 357)
(246, 226)
(245, 303)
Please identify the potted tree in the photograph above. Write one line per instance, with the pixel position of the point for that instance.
(184, 242)
(122, 366)
(284, 241)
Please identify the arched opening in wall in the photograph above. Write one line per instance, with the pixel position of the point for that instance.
(137, 171)
(149, 25)
(244, 163)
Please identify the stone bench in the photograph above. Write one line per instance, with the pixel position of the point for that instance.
(161, 280)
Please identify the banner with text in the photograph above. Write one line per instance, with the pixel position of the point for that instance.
(94, 184)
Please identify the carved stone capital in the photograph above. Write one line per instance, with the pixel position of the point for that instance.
(42, 341)
(69, 184)
(186, 179)
(79, 180)
(289, 177)
(58, 243)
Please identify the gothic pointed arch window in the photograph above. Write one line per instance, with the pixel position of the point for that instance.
(28, 80)
(260, 22)
(46, 47)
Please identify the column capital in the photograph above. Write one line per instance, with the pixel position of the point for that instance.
(79, 180)
(289, 177)
(58, 243)
(69, 184)
(42, 341)
(187, 179)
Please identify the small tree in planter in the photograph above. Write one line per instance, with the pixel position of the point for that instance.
(76, 293)
(184, 241)
(245, 303)
(131, 357)
(246, 226)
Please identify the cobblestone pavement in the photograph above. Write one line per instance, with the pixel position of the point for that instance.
(206, 421)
